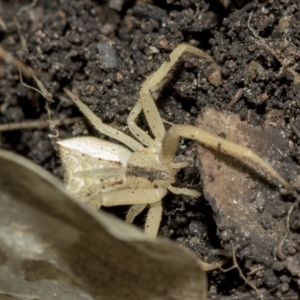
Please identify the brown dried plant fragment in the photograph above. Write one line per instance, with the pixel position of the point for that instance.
(248, 208)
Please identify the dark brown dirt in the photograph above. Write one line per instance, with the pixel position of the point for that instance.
(106, 49)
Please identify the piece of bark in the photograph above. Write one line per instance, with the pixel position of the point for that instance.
(247, 205)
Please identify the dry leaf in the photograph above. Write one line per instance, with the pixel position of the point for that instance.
(248, 209)
(52, 247)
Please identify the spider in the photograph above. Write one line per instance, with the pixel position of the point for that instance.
(103, 173)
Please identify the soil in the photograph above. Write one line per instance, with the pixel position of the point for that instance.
(104, 50)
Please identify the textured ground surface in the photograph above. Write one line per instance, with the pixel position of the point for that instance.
(104, 50)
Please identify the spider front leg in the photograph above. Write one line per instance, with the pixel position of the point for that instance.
(146, 103)
(101, 127)
(171, 139)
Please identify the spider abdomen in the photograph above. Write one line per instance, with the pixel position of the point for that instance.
(93, 167)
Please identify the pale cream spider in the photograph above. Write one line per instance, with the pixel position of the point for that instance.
(103, 173)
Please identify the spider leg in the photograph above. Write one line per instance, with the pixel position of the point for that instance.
(153, 219)
(140, 134)
(184, 191)
(103, 128)
(134, 211)
(155, 81)
(207, 267)
(171, 139)
(133, 196)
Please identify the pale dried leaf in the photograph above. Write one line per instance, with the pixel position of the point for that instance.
(51, 246)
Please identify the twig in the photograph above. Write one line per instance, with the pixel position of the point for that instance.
(38, 124)
(280, 251)
(27, 7)
(235, 99)
(254, 32)
(236, 266)
(42, 90)
(22, 39)
(9, 59)
(3, 25)
(295, 130)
